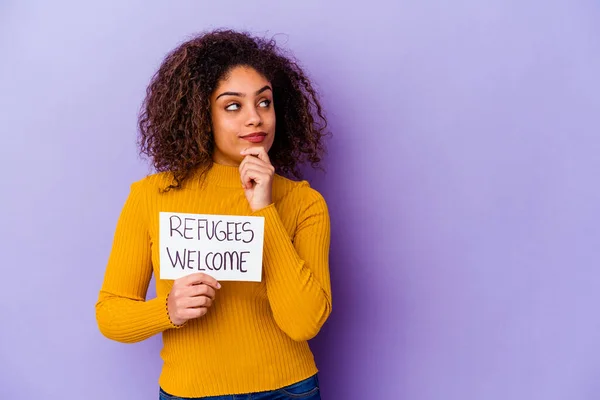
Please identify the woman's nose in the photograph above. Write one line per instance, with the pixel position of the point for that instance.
(253, 117)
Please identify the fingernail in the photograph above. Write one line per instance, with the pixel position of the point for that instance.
(218, 285)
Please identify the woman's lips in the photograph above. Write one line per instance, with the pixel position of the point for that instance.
(255, 137)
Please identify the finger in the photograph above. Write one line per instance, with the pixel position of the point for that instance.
(246, 181)
(196, 290)
(258, 151)
(201, 290)
(256, 159)
(191, 313)
(199, 278)
(250, 175)
(262, 170)
(251, 160)
(245, 178)
(195, 302)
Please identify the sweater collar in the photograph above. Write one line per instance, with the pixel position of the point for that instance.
(224, 176)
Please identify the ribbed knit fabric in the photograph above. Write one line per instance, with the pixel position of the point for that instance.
(254, 336)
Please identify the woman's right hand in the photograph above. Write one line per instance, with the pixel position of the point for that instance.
(191, 296)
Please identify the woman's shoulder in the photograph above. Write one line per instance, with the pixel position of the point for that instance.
(153, 183)
(285, 189)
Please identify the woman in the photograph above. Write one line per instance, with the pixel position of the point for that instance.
(226, 116)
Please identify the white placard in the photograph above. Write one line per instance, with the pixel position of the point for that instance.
(226, 247)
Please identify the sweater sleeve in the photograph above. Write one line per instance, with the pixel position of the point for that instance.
(296, 271)
(122, 312)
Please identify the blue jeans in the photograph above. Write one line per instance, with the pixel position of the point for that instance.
(307, 389)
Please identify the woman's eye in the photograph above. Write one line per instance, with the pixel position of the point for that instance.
(265, 103)
(233, 107)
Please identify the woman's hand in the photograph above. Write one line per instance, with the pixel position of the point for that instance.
(191, 296)
(257, 173)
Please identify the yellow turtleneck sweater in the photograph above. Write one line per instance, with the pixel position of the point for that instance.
(254, 336)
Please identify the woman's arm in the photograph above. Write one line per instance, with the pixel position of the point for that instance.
(297, 272)
(122, 312)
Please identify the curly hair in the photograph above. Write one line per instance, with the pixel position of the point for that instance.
(175, 120)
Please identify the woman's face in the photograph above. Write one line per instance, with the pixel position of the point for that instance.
(242, 115)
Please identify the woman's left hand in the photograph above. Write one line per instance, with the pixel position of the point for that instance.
(257, 173)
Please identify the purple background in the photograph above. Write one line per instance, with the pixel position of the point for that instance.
(462, 183)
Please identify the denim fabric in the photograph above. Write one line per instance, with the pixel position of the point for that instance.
(307, 389)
